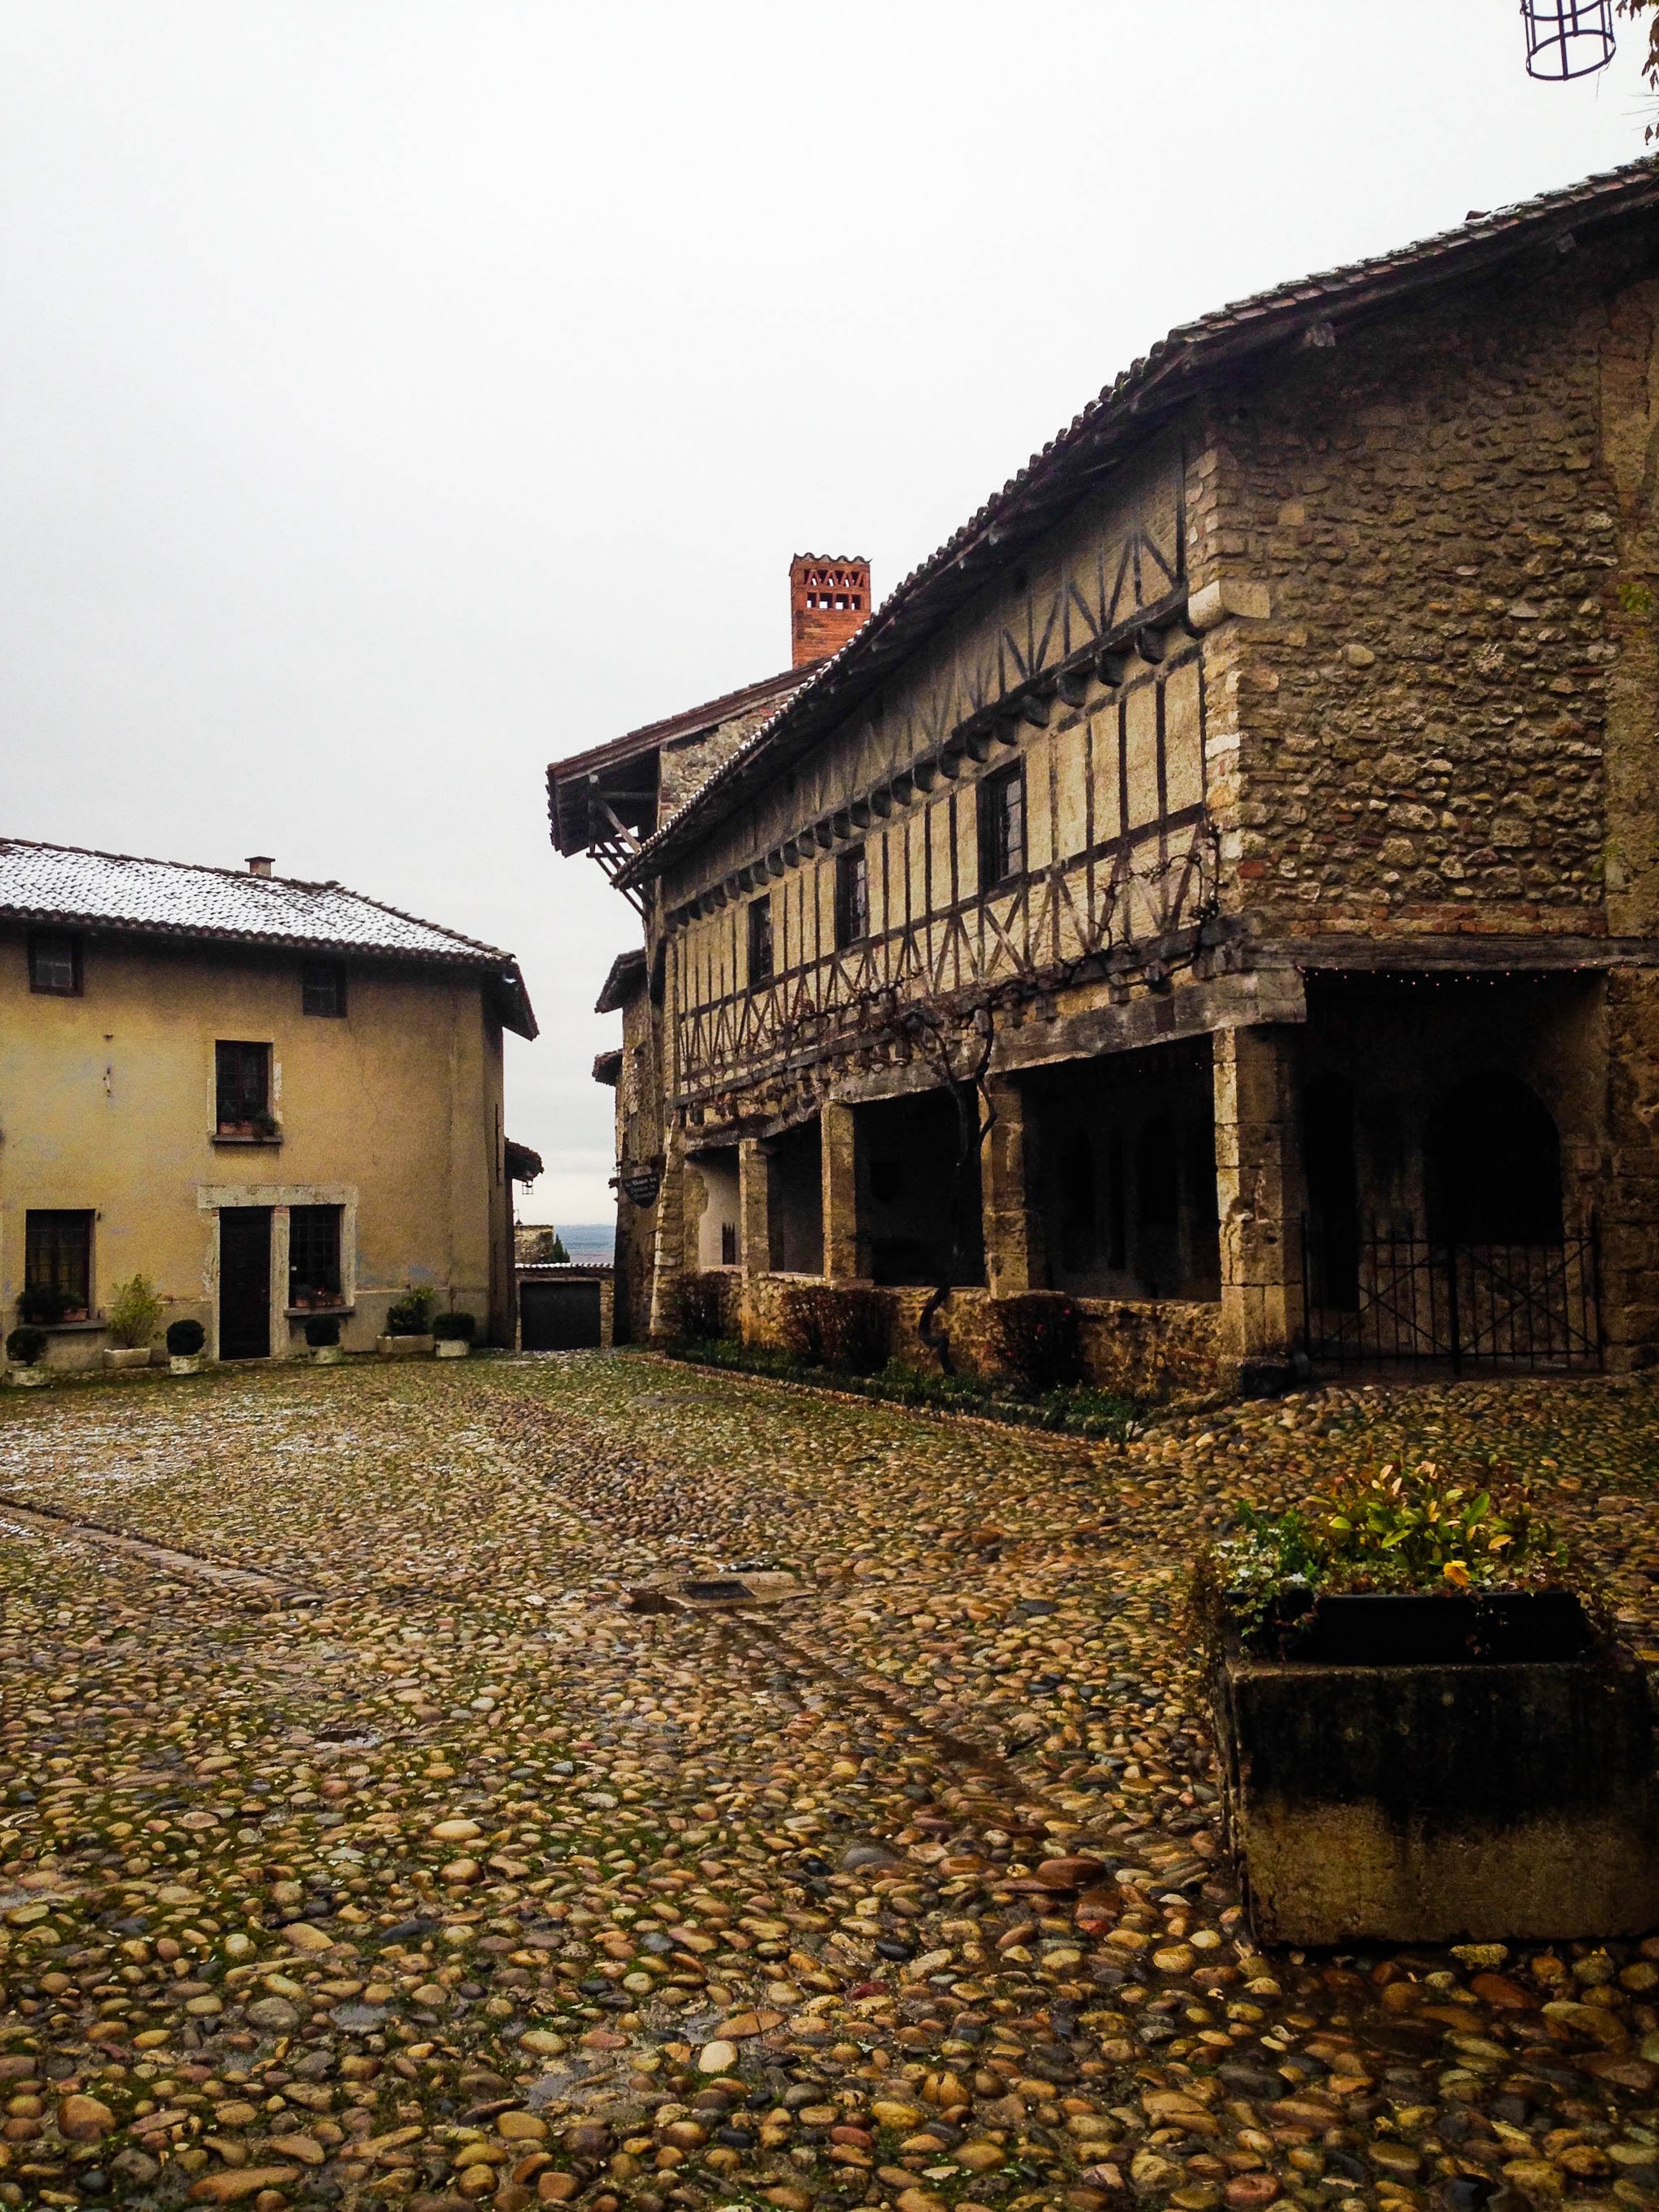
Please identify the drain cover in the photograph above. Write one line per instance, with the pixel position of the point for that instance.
(758, 1587)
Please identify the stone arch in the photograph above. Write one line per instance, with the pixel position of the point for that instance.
(1493, 1166)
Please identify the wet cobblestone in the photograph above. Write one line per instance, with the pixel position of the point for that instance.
(434, 1873)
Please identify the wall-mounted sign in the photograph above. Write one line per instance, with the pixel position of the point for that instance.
(642, 1185)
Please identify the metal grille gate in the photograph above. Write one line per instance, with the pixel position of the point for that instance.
(1400, 1300)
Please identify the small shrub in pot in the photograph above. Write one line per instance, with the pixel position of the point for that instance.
(135, 1313)
(184, 1338)
(455, 1327)
(27, 1345)
(411, 1316)
(322, 1330)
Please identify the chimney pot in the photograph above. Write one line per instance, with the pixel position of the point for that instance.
(260, 864)
(829, 601)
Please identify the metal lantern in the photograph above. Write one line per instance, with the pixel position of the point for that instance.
(1567, 38)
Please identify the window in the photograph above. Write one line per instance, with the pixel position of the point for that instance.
(1002, 827)
(56, 1267)
(323, 988)
(728, 1243)
(313, 1255)
(852, 896)
(55, 963)
(760, 940)
(242, 1085)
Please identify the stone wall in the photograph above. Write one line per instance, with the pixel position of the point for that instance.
(1421, 721)
(1150, 1352)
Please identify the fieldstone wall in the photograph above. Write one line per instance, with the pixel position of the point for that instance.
(1421, 722)
(1148, 1351)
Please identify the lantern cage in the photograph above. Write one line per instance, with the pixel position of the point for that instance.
(1567, 38)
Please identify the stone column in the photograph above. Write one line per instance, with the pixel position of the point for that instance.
(754, 1234)
(841, 1222)
(1259, 1195)
(668, 1244)
(1628, 1200)
(1012, 1227)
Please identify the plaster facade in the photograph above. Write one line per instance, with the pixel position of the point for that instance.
(390, 1113)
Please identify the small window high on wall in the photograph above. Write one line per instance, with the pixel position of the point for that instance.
(853, 898)
(55, 963)
(760, 940)
(1002, 827)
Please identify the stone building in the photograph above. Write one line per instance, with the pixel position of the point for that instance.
(273, 1098)
(1221, 883)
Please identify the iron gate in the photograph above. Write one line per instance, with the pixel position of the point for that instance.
(1400, 1300)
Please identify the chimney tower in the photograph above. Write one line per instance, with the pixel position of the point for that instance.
(260, 864)
(829, 600)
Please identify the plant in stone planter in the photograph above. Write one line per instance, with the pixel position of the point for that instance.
(408, 1325)
(184, 1341)
(453, 1334)
(1424, 1732)
(135, 1315)
(323, 1336)
(25, 1348)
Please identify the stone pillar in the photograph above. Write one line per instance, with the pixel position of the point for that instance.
(668, 1245)
(754, 1233)
(1014, 1258)
(841, 1213)
(1259, 1196)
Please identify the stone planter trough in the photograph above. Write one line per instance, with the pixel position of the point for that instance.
(331, 1355)
(403, 1348)
(185, 1363)
(126, 1355)
(1429, 1770)
(28, 1378)
(452, 1347)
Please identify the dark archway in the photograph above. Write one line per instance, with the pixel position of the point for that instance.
(1493, 1166)
(1332, 1179)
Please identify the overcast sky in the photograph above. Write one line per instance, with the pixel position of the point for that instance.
(396, 395)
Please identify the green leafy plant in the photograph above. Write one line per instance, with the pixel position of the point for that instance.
(25, 1345)
(455, 1327)
(323, 1329)
(43, 1303)
(1408, 1526)
(412, 1315)
(135, 1312)
(184, 1338)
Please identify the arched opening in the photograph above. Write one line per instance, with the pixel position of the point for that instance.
(1493, 1166)
(1076, 1181)
(1332, 1191)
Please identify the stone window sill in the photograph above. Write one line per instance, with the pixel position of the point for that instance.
(270, 1143)
(68, 1327)
(319, 1313)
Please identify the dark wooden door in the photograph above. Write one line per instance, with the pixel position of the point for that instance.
(245, 1282)
(559, 1316)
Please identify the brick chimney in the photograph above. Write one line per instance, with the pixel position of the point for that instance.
(828, 599)
(260, 864)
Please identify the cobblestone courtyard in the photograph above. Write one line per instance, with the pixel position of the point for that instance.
(359, 1842)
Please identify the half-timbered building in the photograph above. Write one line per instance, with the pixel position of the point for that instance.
(1221, 883)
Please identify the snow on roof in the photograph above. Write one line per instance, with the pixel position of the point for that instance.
(67, 883)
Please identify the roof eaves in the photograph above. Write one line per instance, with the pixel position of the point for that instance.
(1243, 326)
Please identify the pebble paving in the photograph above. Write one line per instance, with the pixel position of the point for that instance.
(424, 1862)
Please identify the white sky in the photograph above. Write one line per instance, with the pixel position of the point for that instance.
(396, 395)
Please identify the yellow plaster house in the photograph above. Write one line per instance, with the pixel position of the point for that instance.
(270, 1097)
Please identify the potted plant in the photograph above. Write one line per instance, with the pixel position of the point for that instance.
(184, 1342)
(408, 1325)
(135, 1315)
(26, 1348)
(41, 1304)
(453, 1334)
(1426, 1732)
(265, 1125)
(323, 1336)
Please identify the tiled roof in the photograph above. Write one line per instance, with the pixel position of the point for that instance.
(627, 974)
(116, 892)
(1052, 480)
